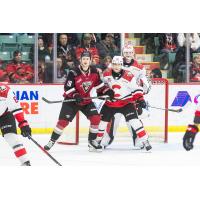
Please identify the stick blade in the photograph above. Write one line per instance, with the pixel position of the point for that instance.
(46, 100)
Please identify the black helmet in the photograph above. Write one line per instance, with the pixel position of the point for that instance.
(86, 54)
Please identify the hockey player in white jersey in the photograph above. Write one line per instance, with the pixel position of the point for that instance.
(192, 130)
(126, 91)
(130, 64)
(10, 110)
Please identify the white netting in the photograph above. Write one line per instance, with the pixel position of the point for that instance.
(156, 123)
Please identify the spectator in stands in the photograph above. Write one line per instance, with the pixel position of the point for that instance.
(64, 47)
(42, 50)
(62, 70)
(88, 43)
(147, 39)
(179, 67)
(168, 44)
(193, 39)
(4, 76)
(73, 40)
(19, 72)
(195, 68)
(107, 47)
(156, 73)
(48, 72)
(50, 51)
(106, 62)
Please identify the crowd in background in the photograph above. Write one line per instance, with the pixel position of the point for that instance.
(169, 50)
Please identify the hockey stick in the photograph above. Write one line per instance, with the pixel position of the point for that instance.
(72, 100)
(50, 156)
(166, 109)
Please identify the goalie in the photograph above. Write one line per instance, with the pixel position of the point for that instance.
(191, 131)
(138, 70)
(126, 91)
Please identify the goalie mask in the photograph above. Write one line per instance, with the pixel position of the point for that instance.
(128, 53)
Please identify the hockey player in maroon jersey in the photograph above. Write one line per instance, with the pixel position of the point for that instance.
(10, 110)
(126, 91)
(78, 85)
(138, 70)
(192, 130)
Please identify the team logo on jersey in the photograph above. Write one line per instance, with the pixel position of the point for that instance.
(2, 88)
(86, 85)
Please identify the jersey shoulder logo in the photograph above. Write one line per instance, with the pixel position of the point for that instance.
(2, 88)
(69, 83)
(86, 85)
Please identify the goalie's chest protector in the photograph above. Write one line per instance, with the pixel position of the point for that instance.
(122, 86)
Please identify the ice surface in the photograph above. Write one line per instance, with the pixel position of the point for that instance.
(120, 153)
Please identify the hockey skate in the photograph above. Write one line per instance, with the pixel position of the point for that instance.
(94, 146)
(27, 163)
(106, 140)
(49, 145)
(147, 145)
(138, 143)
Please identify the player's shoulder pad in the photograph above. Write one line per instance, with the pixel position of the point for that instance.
(93, 69)
(107, 72)
(75, 71)
(137, 65)
(4, 89)
(127, 75)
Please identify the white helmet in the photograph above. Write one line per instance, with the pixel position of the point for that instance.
(117, 60)
(128, 48)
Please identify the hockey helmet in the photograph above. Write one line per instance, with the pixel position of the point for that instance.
(117, 60)
(86, 54)
(128, 48)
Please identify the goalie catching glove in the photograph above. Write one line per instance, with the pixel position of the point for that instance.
(141, 103)
(25, 128)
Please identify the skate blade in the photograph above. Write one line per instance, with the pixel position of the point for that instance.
(91, 149)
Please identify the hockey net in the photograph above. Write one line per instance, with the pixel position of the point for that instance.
(155, 121)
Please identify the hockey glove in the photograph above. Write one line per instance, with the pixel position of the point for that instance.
(25, 128)
(78, 98)
(110, 93)
(142, 103)
(189, 137)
